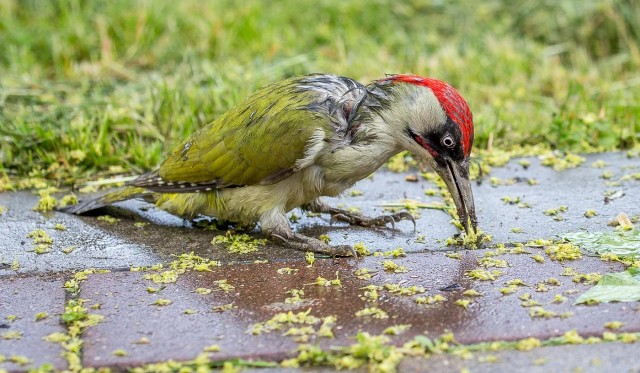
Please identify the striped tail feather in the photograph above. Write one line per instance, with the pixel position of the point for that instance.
(153, 181)
(108, 199)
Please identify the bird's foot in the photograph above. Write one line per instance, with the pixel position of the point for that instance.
(303, 243)
(380, 221)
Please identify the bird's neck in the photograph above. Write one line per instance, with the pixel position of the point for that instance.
(381, 135)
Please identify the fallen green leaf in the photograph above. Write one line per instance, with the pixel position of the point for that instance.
(621, 243)
(614, 287)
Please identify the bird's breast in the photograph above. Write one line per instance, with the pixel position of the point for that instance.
(347, 165)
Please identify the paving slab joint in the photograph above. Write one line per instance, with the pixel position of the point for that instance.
(76, 319)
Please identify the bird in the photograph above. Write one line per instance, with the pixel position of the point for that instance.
(305, 137)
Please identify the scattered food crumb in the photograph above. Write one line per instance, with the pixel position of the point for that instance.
(41, 316)
(142, 341)
(375, 312)
(590, 213)
(119, 353)
(363, 273)
(108, 219)
(538, 258)
(472, 293)
(361, 249)
(310, 257)
(528, 344)
(430, 299)
(464, 303)
(391, 266)
(397, 329)
(224, 307)
(613, 325)
(162, 302)
(212, 348)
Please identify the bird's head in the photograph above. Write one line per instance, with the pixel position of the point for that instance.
(431, 119)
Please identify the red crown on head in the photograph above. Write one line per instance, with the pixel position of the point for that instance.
(451, 101)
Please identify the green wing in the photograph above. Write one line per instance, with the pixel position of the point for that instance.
(258, 141)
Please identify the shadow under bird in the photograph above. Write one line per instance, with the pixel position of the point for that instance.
(305, 137)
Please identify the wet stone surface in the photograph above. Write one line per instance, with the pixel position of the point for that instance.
(607, 357)
(103, 245)
(260, 292)
(20, 300)
(94, 243)
(149, 332)
(580, 189)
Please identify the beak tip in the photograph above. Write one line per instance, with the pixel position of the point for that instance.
(470, 229)
(456, 177)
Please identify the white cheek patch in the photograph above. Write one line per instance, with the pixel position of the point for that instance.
(418, 108)
(429, 112)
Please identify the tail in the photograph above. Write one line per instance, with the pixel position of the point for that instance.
(107, 199)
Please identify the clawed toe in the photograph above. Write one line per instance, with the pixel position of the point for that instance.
(355, 218)
(341, 217)
(278, 238)
(380, 221)
(342, 250)
(404, 216)
(383, 220)
(303, 243)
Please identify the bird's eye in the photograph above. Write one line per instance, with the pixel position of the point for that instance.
(448, 141)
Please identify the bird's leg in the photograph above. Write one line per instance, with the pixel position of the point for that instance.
(303, 243)
(355, 218)
(275, 225)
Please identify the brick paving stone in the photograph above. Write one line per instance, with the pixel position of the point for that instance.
(96, 244)
(259, 293)
(606, 357)
(580, 189)
(24, 297)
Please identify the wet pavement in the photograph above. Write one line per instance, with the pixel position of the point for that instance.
(610, 357)
(136, 330)
(260, 292)
(21, 300)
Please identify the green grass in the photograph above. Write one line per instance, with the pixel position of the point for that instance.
(96, 87)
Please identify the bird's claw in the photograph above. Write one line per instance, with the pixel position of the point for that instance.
(340, 217)
(345, 249)
(403, 215)
(380, 221)
(303, 243)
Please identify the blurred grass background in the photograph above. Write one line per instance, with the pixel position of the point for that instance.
(110, 86)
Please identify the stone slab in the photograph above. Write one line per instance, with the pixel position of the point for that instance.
(260, 291)
(95, 243)
(606, 357)
(24, 298)
(580, 189)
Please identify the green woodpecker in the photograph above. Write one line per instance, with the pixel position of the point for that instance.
(305, 137)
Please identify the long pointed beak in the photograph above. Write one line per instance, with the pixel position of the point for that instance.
(456, 176)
